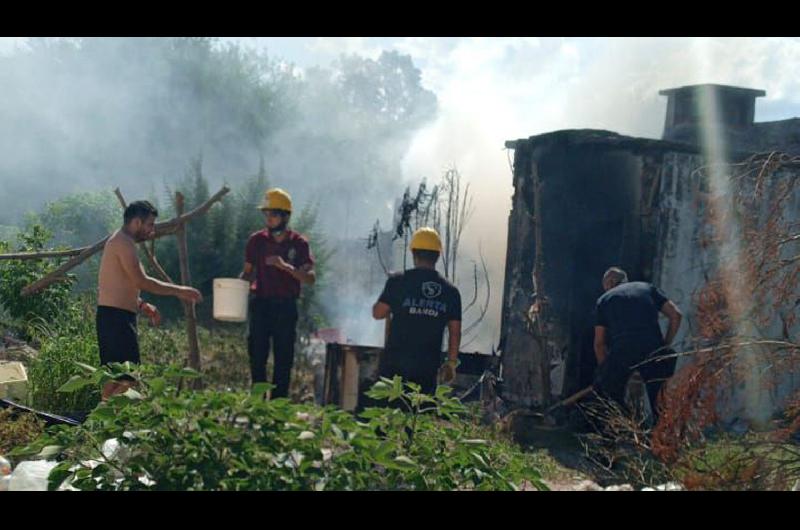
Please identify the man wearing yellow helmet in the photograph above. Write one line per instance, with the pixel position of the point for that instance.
(277, 262)
(420, 303)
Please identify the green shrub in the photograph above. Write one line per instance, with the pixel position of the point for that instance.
(182, 440)
(77, 220)
(45, 306)
(19, 431)
(71, 338)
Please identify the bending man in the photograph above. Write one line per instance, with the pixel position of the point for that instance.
(627, 320)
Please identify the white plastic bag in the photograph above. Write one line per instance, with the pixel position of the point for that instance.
(31, 475)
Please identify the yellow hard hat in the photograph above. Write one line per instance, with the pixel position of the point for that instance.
(276, 199)
(426, 239)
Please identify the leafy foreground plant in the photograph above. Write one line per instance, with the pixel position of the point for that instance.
(64, 342)
(18, 431)
(173, 439)
(15, 274)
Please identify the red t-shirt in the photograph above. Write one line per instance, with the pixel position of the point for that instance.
(270, 281)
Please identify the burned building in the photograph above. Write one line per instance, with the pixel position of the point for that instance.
(585, 200)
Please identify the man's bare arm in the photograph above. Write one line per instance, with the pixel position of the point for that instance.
(600, 349)
(671, 311)
(133, 268)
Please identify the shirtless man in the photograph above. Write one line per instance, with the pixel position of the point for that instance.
(119, 283)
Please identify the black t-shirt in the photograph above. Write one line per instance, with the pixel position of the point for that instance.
(629, 312)
(422, 304)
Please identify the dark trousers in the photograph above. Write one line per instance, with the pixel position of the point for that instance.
(273, 323)
(413, 367)
(116, 335)
(612, 376)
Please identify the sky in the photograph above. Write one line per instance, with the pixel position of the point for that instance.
(494, 89)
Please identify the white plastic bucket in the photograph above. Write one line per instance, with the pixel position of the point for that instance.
(13, 381)
(230, 299)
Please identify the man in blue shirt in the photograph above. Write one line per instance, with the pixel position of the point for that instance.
(627, 333)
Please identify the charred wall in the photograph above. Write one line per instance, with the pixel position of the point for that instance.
(584, 201)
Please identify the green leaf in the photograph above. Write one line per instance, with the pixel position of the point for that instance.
(75, 383)
(88, 368)
(157, 385)
(174, 372)
(306, 435)
(58, 475)
(337, 431)
(414, 387)
(190, 373)
(104, 412)
(397, 388)
(259, 389)
(480, 459)
(49, 452)
(380, 390)
(404, 460)
(443, 392)
(372, 413)
(30, 449)
(132, 394)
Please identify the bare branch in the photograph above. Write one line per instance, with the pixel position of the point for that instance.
(475, 293)
(485, 306)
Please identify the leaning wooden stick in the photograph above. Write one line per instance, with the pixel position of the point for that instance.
(43, 255)
(162, 229)
(60, 273)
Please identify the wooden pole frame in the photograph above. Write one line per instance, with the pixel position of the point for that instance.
(188, 307)
(162, 229)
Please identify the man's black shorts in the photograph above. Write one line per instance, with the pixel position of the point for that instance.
(116, 335)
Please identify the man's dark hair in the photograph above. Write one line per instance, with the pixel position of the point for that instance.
(426, 256)
(139, 209)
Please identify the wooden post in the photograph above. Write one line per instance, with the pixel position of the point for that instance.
(191, 319)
